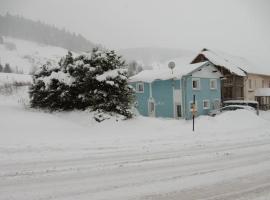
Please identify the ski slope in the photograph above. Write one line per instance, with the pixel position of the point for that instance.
(67, 156)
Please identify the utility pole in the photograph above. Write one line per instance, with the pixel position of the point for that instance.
(193, 112)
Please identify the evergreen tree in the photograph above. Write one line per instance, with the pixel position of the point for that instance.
(97, 81)
(7, 68)
(1, 68)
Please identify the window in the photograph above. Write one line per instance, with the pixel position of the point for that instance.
(140, 87)
(269, 84)
(250, 84)
(196, 84)
(206, 104)
(213, 84)
(262, 83)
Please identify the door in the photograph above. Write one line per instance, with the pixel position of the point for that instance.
(151, 108)
(178, 110)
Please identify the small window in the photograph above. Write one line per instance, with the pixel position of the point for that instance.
(206, 104)
(250, 84)
(213, 84)
(195, 84)
(140, 87)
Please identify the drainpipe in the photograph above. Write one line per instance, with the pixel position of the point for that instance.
(150, 90)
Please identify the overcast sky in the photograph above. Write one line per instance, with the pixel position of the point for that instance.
(236, 26)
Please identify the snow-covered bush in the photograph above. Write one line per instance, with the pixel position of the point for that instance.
(95, 80)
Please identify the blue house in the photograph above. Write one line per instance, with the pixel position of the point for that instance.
(169, 93)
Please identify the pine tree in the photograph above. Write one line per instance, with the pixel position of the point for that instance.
(7, 68)
(97, 81)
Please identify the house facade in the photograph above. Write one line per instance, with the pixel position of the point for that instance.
(241, 79)
(257, 88)
(163, 93)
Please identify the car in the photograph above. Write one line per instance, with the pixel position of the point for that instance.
(231, 108)
(253, 104)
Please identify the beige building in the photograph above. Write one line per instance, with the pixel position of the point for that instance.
(257, 87)
(242, 80)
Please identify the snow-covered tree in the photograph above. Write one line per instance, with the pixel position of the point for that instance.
(95, 80)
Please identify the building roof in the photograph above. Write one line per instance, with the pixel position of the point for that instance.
(235, 64)
(262, 92)
(165, 73)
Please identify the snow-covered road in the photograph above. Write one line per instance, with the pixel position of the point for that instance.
(66, 156)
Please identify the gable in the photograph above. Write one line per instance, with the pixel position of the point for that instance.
(207, 71)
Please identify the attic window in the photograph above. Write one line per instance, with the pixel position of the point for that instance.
(213, 84)
(195, 83)
(140, 88)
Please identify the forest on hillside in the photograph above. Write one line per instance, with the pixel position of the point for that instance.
(36, 31)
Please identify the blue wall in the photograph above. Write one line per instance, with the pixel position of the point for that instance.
(162, 93)
(205, 93)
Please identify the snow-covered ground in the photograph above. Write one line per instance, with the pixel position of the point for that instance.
(68, 155)
(28, 54)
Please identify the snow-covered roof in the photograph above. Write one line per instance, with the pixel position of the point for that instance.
(235, 64)
(165, 73)
(224, 60)
(262, 92)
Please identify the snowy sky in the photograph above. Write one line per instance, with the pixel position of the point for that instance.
(241, 27)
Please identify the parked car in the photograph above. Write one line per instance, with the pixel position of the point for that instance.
(231, 108)
(253, 104)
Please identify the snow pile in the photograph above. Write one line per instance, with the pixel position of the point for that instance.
(27, 55)
(14, 79)
(231, 121)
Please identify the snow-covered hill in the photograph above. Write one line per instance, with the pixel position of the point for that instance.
(23, 55)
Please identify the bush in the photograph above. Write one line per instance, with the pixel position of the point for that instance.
(96, 81)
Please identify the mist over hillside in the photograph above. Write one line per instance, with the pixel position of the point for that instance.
(151, 55)
(36, 31)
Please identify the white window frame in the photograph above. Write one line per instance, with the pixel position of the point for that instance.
(208, 107)
(199, 83)
(215, 81)
(196, 105)
(138, 86)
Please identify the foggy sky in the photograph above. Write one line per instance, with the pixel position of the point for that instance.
(240, 27)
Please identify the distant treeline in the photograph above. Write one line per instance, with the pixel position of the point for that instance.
(19, 27)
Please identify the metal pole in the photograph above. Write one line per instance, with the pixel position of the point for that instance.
(193, 117)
